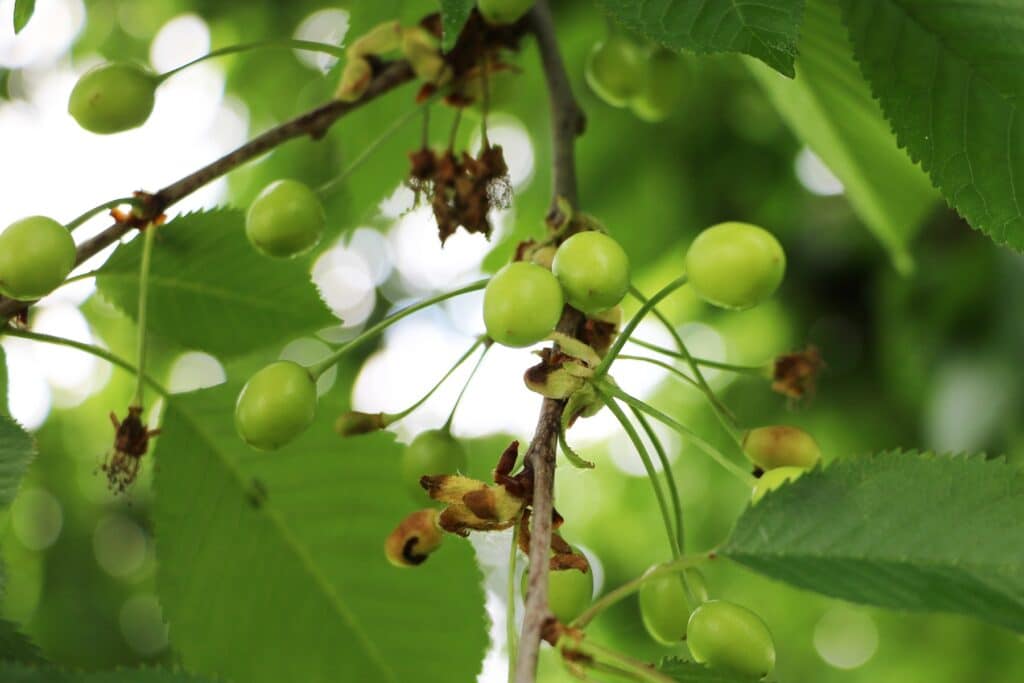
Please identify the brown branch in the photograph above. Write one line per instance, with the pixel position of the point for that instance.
(314, 123)
(567, 122)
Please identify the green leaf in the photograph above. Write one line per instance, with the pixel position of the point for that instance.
(904, 530)
(454, 14)
(690, 672)
(23, 10)
(4, 409)
(210, 290)
(15, 646)
(830, 107)
(950, 78)
(17, 673)
(284, 552)
(765, 29)
(16, 452)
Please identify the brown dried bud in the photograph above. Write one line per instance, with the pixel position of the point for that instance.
(414, 539)
(796, 374)
(353, 423)
(355, 79)
(559, 382)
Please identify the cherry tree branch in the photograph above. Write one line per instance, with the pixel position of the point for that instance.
(567, 122)
(314, 123)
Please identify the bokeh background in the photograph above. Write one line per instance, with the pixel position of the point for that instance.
(929, 360)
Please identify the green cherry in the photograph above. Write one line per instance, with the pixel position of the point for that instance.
(285, 220)
(570, 592)
(522, 304)
(113, 97)
(36, 254)
(731, 638)
(615, 69)
(735, 265)
(664, 606)
(432, 452)
(662, 89)
(593, 271)
(500, 12)
(773, 479)
(781, 446)
(276, 405)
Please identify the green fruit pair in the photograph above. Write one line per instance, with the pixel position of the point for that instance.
(570, 592)
(285, 219)
(276, 405)
(523, 302)
(624, 73)
(665, 606)
(36, 255)
(735, 265)
(113, 97)
(432, 452)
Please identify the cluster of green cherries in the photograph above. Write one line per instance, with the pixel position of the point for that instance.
(647, 79)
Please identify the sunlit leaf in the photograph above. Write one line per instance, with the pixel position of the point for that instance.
(765, 29)
(906, 530)
(23, 11)
(298, 537)
(210, 290)
(950, 78)
(830, 107)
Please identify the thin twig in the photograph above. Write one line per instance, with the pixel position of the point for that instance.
(314, 123)
(567, 122)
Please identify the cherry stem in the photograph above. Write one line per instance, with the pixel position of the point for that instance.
(87, 348)
(148, 237)
(308, 45)
(645, 457)
(666, 465)
(462, 392)
(332, 184)
(608, 389)
(676, 566)
(723, 413)
(510, 612)
(391, 418)
(105, 206)
(665, 366)
(755, 370)
(329, 362)
(630, 327)
(638, 670)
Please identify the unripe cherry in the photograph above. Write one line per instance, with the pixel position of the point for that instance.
(665, 606)
(522, 304)
(276, 405)
(36, 255)
(615, 69)
(570, 592)
(285, 219)
(593, 271)
(432, 452)
(113, 97)
(735, 265)
(500, 12)
(731, 638)
(781, 446)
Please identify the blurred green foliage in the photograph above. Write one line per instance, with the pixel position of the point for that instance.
(898, 348)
